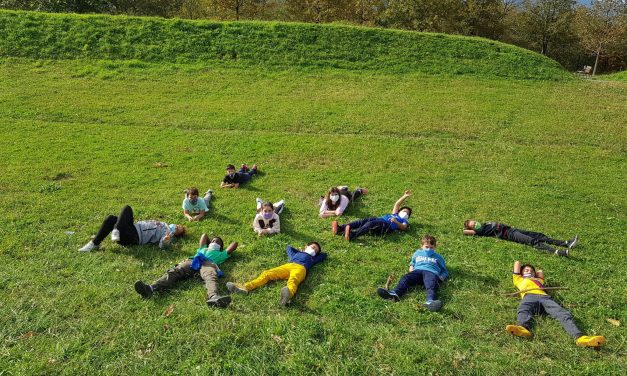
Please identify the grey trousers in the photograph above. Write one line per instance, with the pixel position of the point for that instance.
(539, 304)
(183, 270)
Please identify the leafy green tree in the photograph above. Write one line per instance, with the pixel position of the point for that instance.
(603, 29)
(546, 22)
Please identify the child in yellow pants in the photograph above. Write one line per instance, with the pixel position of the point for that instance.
(295, 272)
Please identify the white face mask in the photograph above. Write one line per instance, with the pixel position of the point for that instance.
(214, 247)
(527, 275)
(403, 215)
(310, 251)
(334, 198)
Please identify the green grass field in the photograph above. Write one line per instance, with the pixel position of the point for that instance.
(84, 137)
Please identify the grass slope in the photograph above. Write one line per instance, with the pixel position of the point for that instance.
(271, 44)
(81, 139)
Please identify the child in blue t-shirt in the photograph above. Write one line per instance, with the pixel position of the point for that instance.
(427, 268)
(398, 220)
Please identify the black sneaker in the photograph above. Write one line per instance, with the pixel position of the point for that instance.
(219, 301)
(561, 252)
(143, 289)
(285, 296)
(387, 294)
(572, 242)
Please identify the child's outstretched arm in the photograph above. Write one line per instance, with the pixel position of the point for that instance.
(469, 232)
(204, 241)
(399, 202)
(540, 274)
(516, 267)
(231, 248)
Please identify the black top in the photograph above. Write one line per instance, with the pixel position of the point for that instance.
(498, 230)
(237, 178)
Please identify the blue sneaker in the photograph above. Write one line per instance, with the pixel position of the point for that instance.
(387, 294)
(432, 305)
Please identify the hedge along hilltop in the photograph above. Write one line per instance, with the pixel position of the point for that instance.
(68, 36)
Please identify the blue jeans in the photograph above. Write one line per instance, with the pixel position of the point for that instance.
(245, 176)
(419, 277)
(363, 226)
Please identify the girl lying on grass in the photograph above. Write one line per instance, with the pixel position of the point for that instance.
(267, 220)
(125, 232)
(536, 301)
(337, 199)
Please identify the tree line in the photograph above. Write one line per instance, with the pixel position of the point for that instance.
(573, 34)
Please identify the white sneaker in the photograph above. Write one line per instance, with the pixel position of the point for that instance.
(259, 202)
(89, 247)
(115, 235)
(279, 206)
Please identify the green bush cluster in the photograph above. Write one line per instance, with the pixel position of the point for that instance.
(63, 36)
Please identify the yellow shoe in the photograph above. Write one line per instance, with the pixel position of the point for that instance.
(518, 331)
(590, 341)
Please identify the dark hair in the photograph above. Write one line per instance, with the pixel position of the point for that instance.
(316, 243)
(430, 239)
(218, 240)
(467, 224)
(267, 204)
(525, 266)
(330, 204)
(192, 191)
(406, 208)
(230, 167)
(183, 231)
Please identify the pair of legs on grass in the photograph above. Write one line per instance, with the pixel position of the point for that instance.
(425, 278)
(121, 228)
(353, 230)
(539, 241)
(292, 272)
(535, 304)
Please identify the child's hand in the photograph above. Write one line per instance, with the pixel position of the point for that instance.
(407, 193)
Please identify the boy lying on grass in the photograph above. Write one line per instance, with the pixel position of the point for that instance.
(209, 256)
(427, 268)
(234, 179)
(505, 232)
(294, 272)
(125, 232)
(193, 208)
(536, 301)
(398, 220)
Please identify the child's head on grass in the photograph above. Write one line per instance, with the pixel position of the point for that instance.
(333, 195)
(528, 271)
(470, 224)
(405, 212)
(216, 244)
(428, 242)
(312, 248)
(230, 170)
(267, 210)
(180, 230)
(192, 194)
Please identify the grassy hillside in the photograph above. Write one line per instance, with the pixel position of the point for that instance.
(59, 36)
(83, 139)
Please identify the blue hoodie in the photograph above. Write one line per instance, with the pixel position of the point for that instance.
(303, 258)
(429, 260)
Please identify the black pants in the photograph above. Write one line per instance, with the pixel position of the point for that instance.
(352, 196)
(535, 239)
(124, 224)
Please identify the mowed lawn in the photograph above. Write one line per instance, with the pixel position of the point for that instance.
(82, 139)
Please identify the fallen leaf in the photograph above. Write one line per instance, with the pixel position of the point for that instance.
(159, 165)
(614, 322)
(28, 334)
(169, 310)
(276, 338)
(52, 361)
(166, 327)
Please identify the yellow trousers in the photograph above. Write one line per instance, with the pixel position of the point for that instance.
(294, 273)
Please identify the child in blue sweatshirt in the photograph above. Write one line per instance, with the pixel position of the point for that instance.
(427, 268)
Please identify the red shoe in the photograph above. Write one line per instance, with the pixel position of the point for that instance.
(334, 227)
(347, 233)
(244, 167)
(254, 168)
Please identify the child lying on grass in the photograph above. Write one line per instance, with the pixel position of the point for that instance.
(536, 301)
(427, 268)
(294, 272)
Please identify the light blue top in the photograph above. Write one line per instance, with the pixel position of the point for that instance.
(429, 260)
(200, 206)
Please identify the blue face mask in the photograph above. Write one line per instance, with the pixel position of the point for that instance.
(172, 229)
